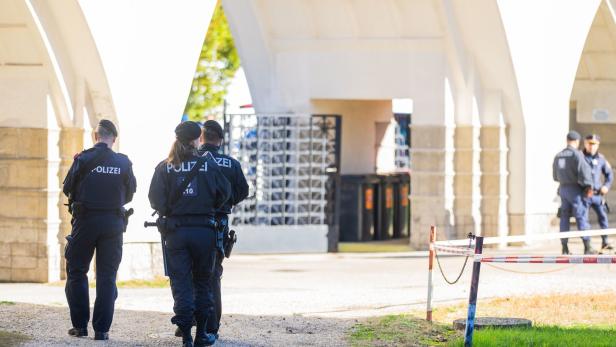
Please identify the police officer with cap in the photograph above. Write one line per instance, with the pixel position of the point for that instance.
(571, 170)
(211, 140)
(98, 184)
(602, 178)
(191, 243)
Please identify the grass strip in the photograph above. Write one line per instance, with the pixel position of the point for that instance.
(11, 339)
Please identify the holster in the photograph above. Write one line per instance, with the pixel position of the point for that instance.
(77, 208)
(165, 225)
(125, 214)
(230, 238)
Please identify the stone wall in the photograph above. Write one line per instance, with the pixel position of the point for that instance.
(23, 198)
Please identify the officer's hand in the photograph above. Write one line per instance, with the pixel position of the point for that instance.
(588, 192)
(604, 190)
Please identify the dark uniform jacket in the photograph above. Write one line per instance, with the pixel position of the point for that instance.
(232, 170)
(205, 194)
(570, 167)
(599, 167)
(109, 186)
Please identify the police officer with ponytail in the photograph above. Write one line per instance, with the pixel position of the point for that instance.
(187, 190)
(98, 184)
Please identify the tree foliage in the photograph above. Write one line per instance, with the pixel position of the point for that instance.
(217, 65)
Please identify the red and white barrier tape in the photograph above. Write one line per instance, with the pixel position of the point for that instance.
(532, 237)
(548, 259)
(455, 250)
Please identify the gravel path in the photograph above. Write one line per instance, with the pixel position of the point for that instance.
(47, 325)
(291, 300)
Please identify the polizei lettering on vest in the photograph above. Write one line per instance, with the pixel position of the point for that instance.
(186, 167)
(108, 170)
(224, 162)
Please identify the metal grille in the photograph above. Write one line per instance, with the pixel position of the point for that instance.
(288, 161)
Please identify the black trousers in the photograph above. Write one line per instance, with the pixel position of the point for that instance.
(191, 253)
(213, 322)
(102, 232)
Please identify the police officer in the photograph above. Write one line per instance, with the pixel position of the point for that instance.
(191, 246)
(573, 173)
(98, 185)
(602, 177)
(211, 139)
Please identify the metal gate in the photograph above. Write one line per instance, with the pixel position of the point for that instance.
(291, 162)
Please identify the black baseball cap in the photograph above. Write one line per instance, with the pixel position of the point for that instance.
(573, 135)
(593, 138)
(109, 126)
(187, 131)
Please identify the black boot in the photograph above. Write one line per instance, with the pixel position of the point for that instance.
(187, 340)
(565, 249)
(98, 335)
(178, 331)
(588, 248)
(201, 337)
(78, 332)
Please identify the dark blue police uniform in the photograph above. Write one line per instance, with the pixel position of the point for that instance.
(191, 247)
(232, 170)
(573, 173)
(602, 175)
(98, 225)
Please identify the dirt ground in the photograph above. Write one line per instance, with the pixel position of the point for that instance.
(48, 325)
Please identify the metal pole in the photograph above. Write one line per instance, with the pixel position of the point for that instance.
(430, 265)
(472, 299)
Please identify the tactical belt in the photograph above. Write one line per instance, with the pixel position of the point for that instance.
(194, 221)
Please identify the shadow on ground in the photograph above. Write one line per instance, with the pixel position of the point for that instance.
(47, 326)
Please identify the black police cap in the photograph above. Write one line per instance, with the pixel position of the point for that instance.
(593, 138)
(573, 135)
(215, 127)
(187, 131)
(109, 126)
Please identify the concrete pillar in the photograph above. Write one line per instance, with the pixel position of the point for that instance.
(466, 180)
(493, 167)
(432, 171)
(24, 199)
(71, 142)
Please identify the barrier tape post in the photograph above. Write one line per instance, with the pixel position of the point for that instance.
(472, 300)
(430, 265)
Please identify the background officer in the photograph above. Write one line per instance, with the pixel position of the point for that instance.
(211, 139)
(98, 185)
(573, 173)
(602, 178)
(191, 245)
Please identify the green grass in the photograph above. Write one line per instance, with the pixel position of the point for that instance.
(158, 282)
(7, 303)
(374, 246)
(407, 330)
(544, 336)
(401, 330)
(11, 339)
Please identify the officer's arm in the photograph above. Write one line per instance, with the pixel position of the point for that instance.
(608, 173)
(554, 163)
(223, 189)
(131, 183)
(584, 171)
(67, 185)
(240, 187)
(159, 191)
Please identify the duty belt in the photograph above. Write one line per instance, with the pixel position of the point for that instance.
(194, 221)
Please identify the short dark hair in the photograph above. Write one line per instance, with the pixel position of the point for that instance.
(104, 133)
(211, 135)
